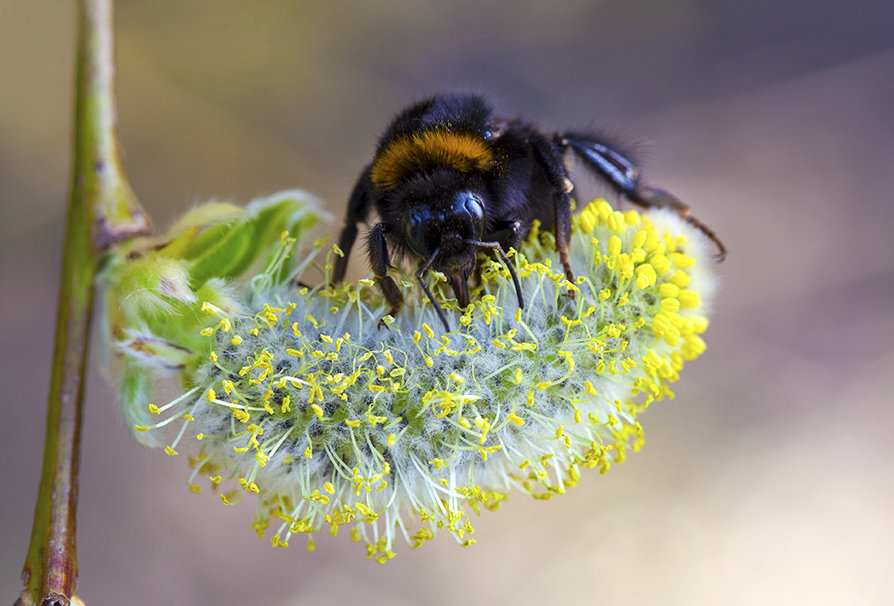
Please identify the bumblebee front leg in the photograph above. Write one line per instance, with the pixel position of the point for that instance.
(550, 158)
(378, 260)
(358, 209)
(507, 233)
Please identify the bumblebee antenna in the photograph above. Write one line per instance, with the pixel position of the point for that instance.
(421, 272)
(496, 246)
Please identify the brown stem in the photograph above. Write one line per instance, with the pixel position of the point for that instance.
(101, 210)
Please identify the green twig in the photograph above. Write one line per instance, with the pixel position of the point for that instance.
(102, 210)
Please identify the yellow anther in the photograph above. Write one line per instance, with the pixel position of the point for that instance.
(616, 222)
(699, 325)
(587, 221)
(693, 347)
(660, 263)
(669, 289)
(614, 246)
(670, 305)
(672, 336)
(688, 298)
(603, 210)
(639, 239)
(645, 275)
(682, 261)
(455, 377)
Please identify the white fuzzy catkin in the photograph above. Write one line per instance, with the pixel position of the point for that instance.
(403, 430)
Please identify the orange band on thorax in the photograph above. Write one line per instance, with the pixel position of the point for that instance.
(463, 152)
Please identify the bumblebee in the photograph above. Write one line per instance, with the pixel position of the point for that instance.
(449, 178)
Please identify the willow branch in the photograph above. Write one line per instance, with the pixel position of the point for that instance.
(101, 211)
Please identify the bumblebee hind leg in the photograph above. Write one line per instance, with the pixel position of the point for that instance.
(549, 156)
(651, 197)
(623, 175)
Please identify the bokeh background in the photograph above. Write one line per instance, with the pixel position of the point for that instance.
(770, 479)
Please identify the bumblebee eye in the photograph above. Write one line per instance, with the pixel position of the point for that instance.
(470, 204)
(475, 208)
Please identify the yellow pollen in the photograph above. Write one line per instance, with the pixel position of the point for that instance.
(688, 298)
(680, 279)
(670, 306)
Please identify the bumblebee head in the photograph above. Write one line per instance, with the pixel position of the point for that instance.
(443, 224)
(439, 230)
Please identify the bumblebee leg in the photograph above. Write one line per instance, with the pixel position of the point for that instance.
(549, 155)
(496, 246)
(624, 176)
(423, 267)
(651, 197)
(358, 209)
(378, 260)
(507, 233)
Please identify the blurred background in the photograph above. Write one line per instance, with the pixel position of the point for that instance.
(770, 479)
